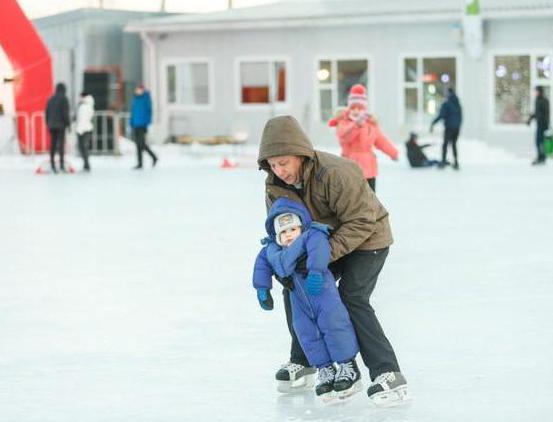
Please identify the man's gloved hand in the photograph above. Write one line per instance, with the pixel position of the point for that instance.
(265, 299)
(314, 283)
(287, 282)
(301, 265)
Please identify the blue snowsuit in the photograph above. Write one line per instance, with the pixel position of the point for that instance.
(321, 322)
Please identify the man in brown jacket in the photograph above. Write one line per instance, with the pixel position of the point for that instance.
(335, 192)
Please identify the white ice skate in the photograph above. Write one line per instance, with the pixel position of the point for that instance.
(389, 389)
(294, 378)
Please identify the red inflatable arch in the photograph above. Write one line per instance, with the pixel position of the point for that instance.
(32, 68)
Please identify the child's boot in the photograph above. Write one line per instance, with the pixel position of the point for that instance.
(347, 380)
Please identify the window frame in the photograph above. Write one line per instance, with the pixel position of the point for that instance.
(281, 105)
(420, 56)
(534, 53)
(334, 58)
(175, 61)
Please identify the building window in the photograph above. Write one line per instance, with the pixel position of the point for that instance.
(263, 82)
(188, 84)
(335, 78)
(515, 78)
(425, 83)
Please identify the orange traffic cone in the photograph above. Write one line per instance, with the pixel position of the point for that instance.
(227, 164)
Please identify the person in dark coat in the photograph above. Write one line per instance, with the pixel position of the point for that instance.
(57, 120)
(451, 114)
(141, 117)
(415, 154)
(541, 114)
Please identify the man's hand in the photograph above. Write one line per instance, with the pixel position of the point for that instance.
(265, 299)
(301, 265)
(314, 283)
(287, 282)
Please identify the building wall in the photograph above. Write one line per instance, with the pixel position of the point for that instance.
(384, 45)
(90, 38)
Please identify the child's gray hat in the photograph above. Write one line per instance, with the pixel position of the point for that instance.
(284, 222)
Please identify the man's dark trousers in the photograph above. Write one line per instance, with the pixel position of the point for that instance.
(141, 145)
(540, 139)
(358, 273)
(450, 137)
(57, 142)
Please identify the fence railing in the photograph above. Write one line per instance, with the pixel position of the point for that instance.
(108, 126)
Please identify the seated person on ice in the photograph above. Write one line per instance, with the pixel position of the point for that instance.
(320, 319)
(415, 154)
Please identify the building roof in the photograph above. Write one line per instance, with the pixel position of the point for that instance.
(72, 16)
(296, 13)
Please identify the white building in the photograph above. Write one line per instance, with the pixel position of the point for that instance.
(227, 72)
(93, 40)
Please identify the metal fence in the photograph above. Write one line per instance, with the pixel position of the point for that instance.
(109, 126)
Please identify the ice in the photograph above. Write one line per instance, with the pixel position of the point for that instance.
(126, 296)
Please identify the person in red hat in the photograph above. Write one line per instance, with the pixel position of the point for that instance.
(359, 134)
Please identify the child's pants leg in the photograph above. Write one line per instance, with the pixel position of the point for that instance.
(308, 333)
(336, 327)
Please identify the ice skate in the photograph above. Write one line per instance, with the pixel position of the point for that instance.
(325, 385)
(295, 378)
(347, 381)
(389, 389)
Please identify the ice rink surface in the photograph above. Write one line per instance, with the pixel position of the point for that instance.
(126, 296)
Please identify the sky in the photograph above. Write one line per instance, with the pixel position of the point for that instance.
(38, 8)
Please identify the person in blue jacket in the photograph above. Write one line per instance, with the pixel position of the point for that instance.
(452, 115)
(320, 319)
(141, 117)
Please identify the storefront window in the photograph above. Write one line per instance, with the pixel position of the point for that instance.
(512, 89)
(425, 84)
(262, 82)
(188, 84)
(438, 75)
(335, 78)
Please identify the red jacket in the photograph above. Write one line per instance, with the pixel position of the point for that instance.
(358, 143)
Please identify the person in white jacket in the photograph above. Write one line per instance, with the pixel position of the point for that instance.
(85, 114)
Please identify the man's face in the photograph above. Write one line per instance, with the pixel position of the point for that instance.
(288, 236)
(287, 168)
(139, 90)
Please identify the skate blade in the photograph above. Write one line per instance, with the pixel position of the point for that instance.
(354, 389)
(305, 383)
(328, 398)
(396, 397)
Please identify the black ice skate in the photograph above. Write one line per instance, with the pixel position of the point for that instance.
(389, 389)
(292, 378)
(325, 386)
(347, 381)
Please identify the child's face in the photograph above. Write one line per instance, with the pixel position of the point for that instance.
(288, 236)
(356, 110)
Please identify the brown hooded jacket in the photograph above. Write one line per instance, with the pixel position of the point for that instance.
(333, 189)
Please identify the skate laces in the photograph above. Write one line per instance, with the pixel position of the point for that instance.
(346, 371)
(292, 368)
(326, 374)
(385, 378)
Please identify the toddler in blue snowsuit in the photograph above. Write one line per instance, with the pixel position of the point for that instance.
(320, 319)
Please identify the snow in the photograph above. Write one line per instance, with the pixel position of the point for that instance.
(126, 296)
